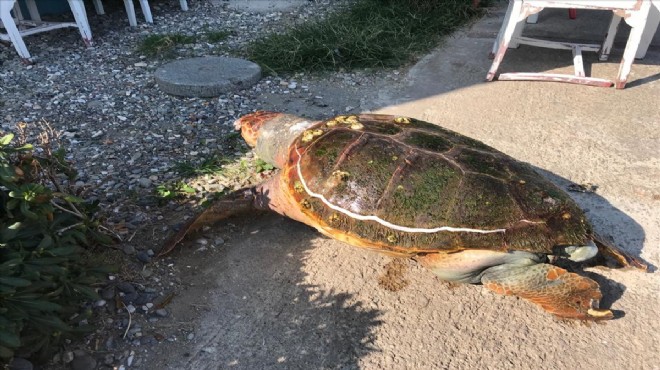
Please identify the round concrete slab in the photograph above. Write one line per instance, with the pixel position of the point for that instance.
(207, 76)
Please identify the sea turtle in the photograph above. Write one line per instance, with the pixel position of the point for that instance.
(410, 188)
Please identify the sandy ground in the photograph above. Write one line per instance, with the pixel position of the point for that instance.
(280, 296)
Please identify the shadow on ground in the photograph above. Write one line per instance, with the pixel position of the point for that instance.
(253, 310)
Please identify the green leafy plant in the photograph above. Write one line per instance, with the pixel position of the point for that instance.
(174, 190)
(46, 271)
(260, 165)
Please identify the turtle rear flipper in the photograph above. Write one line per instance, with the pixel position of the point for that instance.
(614, 257)
(561, 293)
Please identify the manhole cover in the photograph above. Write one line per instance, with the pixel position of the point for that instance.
(207, 76)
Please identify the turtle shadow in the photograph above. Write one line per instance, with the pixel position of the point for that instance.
(262, 312)
(608, 221)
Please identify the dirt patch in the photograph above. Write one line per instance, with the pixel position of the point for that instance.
(394, 276)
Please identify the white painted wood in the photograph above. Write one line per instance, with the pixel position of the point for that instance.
(637, 22)
(18, 28)
(13, 34)
(557, 44)
(32, 9)
(80, 15)
(634, 12)
(98, 7)
(652, 23)
(577, 61)
(184, 5)
(609, 39)
(515, 9)
(146, 10)
(130, 10)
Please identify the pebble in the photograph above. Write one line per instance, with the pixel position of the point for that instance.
(143, 257)
(108, 293)
(67, 357)
(85, 362)
(125, 287)
(20, 364)
(129, 249)
(100, 303)
(162, 312)
(130, 308)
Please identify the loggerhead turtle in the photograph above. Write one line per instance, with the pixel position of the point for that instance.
(409, 188)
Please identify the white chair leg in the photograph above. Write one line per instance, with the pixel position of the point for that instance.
(146, 10)
(609, 39)
(18, 14)
(98, 6)
(652, 23)
(505, 38)
(80, 15)
(32, 9)
(637, 22)
(130, 10)
(496, 44)
(184, 5)
(12, 30)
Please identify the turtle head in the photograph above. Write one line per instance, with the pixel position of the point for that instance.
(250, 125)
(271, 134)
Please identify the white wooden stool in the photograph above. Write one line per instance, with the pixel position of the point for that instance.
(634, 12)
(17, 27)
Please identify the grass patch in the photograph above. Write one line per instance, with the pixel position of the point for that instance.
(371, 33)
(217, 36)
(158, 45)
(208, 166)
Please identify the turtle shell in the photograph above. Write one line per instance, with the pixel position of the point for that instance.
(408, 186)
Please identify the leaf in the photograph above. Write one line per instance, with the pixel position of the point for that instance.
(51, 321)
(46, 242)
(5, 140)
(38, 305)
(86, 291)
(63, 251)
(9, 339)
(15, 282)
(6, 352)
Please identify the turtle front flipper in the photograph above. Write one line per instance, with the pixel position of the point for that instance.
(234, 203)
(561, 293)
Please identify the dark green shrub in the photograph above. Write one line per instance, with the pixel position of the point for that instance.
(45, 273)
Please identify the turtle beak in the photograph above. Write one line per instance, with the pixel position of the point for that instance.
(250, 125)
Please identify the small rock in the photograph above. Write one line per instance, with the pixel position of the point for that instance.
(67, 357)
(129, 249)
(100, 303)
(140, 64)
(143, 257)
(130, 308)
(144, 182)
(126, 287)
(108, 293)
(191, 336)
(83, 363)
(129, 297)
(20, 364)
(150, 252)
(209, 350)
(162, 312)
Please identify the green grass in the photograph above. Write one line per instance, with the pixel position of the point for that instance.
(160, 45)
(370, 33)
(217, 36)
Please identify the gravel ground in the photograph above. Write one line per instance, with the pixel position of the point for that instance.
(126, 138)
